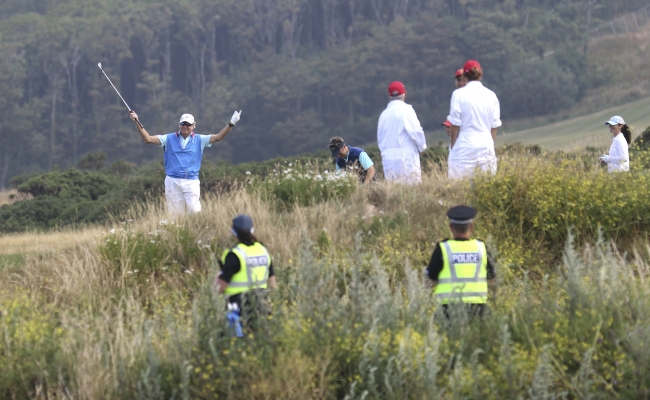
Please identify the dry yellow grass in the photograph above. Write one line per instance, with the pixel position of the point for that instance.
(10, 196)
(47, 242)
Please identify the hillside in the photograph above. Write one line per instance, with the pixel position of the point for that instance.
(579, 132)
(128, 309)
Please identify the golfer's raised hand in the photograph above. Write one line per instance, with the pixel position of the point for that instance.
(133, 115)
(235, 117)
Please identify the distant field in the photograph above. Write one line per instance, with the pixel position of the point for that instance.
(577, 133)
(573, 133)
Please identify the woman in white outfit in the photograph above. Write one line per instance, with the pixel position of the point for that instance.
(618, 158)
(475, 116)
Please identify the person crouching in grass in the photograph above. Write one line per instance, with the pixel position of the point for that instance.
(350, 158)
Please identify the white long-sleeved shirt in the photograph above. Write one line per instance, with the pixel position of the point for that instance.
(618, 158)
(476, 110)
(399, 128)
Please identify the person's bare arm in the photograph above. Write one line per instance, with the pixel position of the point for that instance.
(222, 134)
(370, 175)
(493, 131)
(272, 284)
(221, 285)
(143, 132)
(454, 134)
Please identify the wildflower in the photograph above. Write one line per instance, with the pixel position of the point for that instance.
(187, 271)
(112, 231)
(152, 241)
(164, 222)
(248, 172)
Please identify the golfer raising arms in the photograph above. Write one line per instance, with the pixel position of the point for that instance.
(183, 155)
(474, 115)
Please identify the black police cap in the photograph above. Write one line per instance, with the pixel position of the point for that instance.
(461, 214)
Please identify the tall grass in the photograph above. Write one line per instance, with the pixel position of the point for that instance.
(352, 316)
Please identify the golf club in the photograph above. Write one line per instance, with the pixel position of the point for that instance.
(118, 93)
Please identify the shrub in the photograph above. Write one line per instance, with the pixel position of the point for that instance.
(304, 184)
(532, 203)
(170, 250)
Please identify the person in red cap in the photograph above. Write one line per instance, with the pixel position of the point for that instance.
(475, 116)
(400, 138)
(460, 79)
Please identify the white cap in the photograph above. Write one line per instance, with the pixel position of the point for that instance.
(187, 118)
(615, 120)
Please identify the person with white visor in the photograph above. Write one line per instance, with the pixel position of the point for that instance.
(618, 158)
(400, 138)
(475, 116)
(183, 154)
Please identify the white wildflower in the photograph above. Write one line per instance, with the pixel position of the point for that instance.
(112, 231)
(164, 222)
(248, 172)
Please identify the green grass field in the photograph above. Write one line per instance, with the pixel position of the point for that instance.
(573, 133)
(579, 132)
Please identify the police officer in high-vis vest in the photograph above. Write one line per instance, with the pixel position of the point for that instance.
(350, 158)
(246, 273)
(460, 269)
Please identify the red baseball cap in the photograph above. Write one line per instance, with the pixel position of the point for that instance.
(446, 123)
(458, 73)
(470, 65)
(396, 88)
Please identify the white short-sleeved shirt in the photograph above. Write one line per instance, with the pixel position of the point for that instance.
(475, 109)
(205, 140)
(619, 157)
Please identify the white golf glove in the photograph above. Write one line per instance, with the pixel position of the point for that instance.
(235, 117)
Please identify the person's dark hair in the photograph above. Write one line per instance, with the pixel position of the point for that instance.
(627, 133)
(460, 228)
(247, 238)
(335, 143)
(474, 74)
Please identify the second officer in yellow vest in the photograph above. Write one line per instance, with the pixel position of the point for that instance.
(460, 269)
(246, 273)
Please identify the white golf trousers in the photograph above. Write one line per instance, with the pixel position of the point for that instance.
(182, 195)
(459, 169)
(402, 165)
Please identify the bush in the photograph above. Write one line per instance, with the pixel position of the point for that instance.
(532, 203)
(304, 184)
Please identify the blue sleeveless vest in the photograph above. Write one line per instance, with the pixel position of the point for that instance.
(353, 156)
(183, 163)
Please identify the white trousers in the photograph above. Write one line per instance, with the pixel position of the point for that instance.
(182, 195)
(402, 165)
(459, 169)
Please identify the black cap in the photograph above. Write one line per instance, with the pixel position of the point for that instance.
(242, 224)
(461, 214)
(336, 144)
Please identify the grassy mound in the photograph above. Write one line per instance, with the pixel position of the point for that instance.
(128, 310)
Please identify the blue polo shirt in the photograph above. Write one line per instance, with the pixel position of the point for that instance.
(364, 160)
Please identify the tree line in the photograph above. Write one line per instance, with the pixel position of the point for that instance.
(301, 70)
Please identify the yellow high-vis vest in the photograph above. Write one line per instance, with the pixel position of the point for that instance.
(464, 272)
(255, 262)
